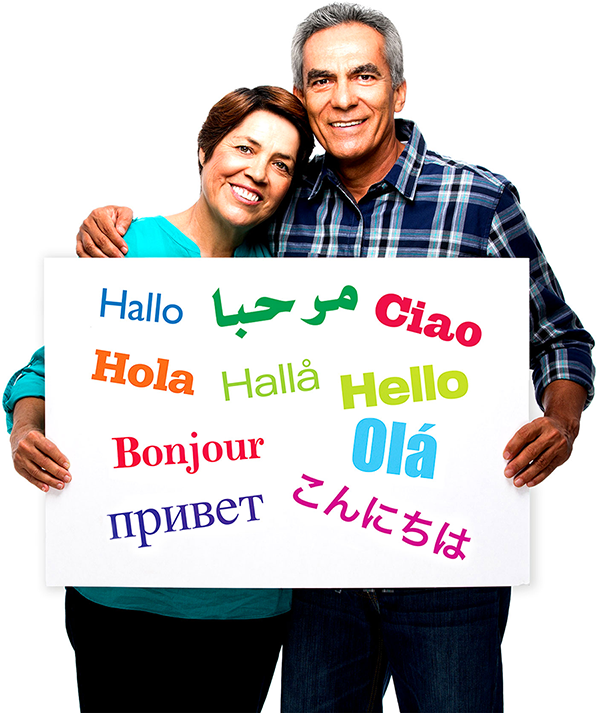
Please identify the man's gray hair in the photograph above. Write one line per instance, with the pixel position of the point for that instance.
(343, 13)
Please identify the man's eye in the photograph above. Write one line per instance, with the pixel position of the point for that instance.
(365, 77)
(321, 82)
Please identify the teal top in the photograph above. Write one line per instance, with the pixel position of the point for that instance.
(156, 237)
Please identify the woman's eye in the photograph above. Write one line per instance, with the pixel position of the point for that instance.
(244, 149)
(282, 166)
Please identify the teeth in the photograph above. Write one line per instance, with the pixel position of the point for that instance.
(248, 195)
(347, 123)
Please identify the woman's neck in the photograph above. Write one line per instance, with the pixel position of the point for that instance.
(214, 239)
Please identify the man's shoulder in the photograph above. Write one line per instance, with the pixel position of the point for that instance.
(438, 167)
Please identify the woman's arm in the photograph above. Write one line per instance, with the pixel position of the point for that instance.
(36, 458)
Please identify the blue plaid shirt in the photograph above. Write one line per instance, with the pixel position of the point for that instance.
(431, 206)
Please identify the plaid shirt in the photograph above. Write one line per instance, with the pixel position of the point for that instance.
(431, 206)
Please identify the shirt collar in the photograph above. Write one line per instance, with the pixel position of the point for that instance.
(403, 175)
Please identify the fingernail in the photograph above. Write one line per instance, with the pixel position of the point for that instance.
(506, 455)
(518, 482)
(60, 486)
(67, 478)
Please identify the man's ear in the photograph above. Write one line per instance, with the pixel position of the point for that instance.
(299, 94)
(399, 97)
(201, 156)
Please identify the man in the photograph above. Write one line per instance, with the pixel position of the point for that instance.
(378, 191)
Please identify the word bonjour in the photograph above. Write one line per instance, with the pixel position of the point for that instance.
(373, 432)
(137, 309)
(267, 384)
(467, 333)
(449, 550)
(142, 375)
(394, 390)
(206, 513)
(175, 454)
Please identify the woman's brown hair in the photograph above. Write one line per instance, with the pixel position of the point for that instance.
(234, 107)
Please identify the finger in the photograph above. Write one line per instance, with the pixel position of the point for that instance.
(38, 477)
(545, 463)
(526, 434)
(103, 235)
(86, 247)
(40, 452)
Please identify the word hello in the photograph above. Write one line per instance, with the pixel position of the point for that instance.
(395, 390)
(141, 375)
(273, 384)
(175, 454)
(373, 432)
(438, 325)
(142, 312)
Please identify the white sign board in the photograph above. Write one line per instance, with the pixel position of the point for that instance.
(279, 423)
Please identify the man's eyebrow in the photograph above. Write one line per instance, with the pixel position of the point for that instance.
(368, 68)
(318, 74)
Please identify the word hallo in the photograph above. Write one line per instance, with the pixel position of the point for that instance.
(142, 312)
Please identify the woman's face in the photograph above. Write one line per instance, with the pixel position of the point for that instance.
(250, 170)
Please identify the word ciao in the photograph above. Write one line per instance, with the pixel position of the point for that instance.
(374, 517)
(142, 375)
(175, 454)
(394, 390)
(266, 308)
(203, 516)
(467, 333)
(274, 384)
(370, 440)
(142, 312)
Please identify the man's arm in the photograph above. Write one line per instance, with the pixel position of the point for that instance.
(36, 458)
(560, 353)
(545, 443)
(100, 234)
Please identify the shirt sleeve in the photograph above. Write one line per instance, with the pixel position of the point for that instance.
(560, 348)
(28, 381)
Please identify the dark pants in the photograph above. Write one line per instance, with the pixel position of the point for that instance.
(441, 647)
(134, 661)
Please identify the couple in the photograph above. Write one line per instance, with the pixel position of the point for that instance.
(378, 191)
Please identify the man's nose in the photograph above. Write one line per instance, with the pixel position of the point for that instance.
(343, 96)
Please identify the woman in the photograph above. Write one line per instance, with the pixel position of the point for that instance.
(182, 649)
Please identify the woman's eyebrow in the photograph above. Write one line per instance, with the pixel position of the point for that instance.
(254, 142)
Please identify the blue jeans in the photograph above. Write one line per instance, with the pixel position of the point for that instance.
(440, 646)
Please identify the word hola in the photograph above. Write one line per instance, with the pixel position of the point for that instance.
(202, 513)
(395, 390)
(420, 463)
(438, 325)
(142, 312)
(141, 375)
(273, 384)
(175, 454)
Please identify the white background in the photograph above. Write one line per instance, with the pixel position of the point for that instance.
(102, 103)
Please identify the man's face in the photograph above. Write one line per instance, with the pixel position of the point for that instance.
(348, 93)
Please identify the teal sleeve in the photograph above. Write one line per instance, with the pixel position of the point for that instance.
(28, 381)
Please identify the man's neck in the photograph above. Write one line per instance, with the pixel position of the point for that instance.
(358, 176)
